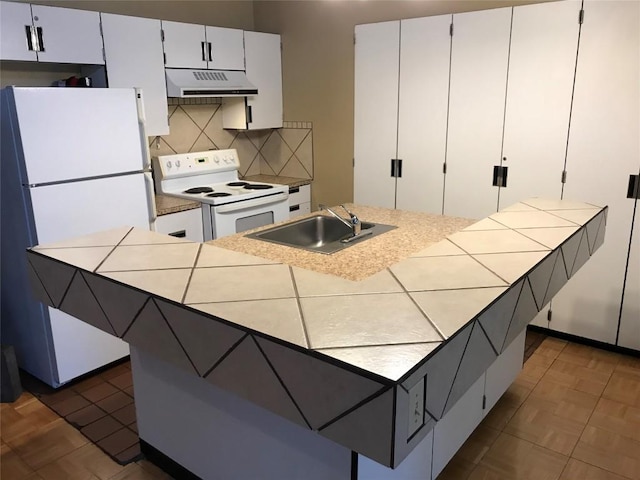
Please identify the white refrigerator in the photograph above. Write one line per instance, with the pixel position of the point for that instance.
(74, 161)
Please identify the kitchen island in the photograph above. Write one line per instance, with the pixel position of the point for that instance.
(375, 362)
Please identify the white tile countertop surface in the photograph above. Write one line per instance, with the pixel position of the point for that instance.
(440, 311)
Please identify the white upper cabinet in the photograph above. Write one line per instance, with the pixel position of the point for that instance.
(264, 70)
(544, 45)
(479, 61)
(189, 45)
(17, 37)
(226, 48)
(57, 35)
(603, 151)
(422, 112)
(133, 51)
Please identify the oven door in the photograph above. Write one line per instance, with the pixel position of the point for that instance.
(240, 216)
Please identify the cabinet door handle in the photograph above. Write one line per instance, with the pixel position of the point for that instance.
(210, 52)
(396, 167)
(204, 58)
(633, 190)
(294, 189)
(500, 176)
(31, 37)
(40, 44)
(249, 114)
(293, 208)
(178, 234)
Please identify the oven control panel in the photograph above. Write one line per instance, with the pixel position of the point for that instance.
(195, 163)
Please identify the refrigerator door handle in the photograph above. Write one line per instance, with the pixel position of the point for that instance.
(151, 202)
(142, 124)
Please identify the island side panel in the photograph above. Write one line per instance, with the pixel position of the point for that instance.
(210, 431)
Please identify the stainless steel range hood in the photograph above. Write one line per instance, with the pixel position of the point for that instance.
(208, 83)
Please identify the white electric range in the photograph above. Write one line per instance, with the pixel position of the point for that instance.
(229, 205)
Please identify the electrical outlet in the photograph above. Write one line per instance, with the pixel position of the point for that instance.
(416, 407)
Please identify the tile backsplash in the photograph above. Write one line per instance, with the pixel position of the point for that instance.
(196, 125)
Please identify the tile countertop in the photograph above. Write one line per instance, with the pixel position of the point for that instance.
(435, 300)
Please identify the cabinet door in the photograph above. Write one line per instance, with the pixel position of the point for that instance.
(68, 35)
(133, 51)
(479, 58)
(187, 225)
(377, 54)
(264, 70)
(185, 45)
(422, 117)
(454, 428)
(544, 44)
(629, 330)
(225, 48)
(603, 150)
(15, 20)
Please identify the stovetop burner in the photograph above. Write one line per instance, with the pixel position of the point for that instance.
(218, 194)
(199, 190)
(237, 184)
(257, 186)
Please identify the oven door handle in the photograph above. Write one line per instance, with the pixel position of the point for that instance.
(257, 202)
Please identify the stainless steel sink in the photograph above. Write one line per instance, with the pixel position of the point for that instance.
(320, 233)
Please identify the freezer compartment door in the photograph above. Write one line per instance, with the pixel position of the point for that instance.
(80, 348)
(74, 209)
(71, 133)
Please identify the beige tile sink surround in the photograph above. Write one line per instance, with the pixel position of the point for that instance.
(430, 301)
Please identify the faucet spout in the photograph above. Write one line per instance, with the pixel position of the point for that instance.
(353, 223)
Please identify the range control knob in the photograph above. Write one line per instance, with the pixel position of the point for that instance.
(169, 165)
(177, 163)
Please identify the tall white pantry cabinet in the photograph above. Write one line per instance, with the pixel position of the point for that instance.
(468, 113)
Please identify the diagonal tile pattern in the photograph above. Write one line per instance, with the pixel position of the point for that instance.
(205, 339)
(451, 309)
(444, 273)
(477, 357)
(120, 304)
(278, 318)
(55, 276)
(365, 427)
(246, 372)
(151, 333)
(81, 303)
(321, 390)
(287, 151)
(250, 320)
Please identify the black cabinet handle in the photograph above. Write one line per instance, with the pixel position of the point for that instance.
(293, 208)
(30, 37)
(633, 190)
(210, 53)
(500, 176)
(40, 39)
(249, 114)
(204, 58)
(294, 189)
(178, 234)
(396, 167)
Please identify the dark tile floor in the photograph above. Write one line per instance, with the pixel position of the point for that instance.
(102, 405)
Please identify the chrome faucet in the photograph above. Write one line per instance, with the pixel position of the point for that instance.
(353, 223)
